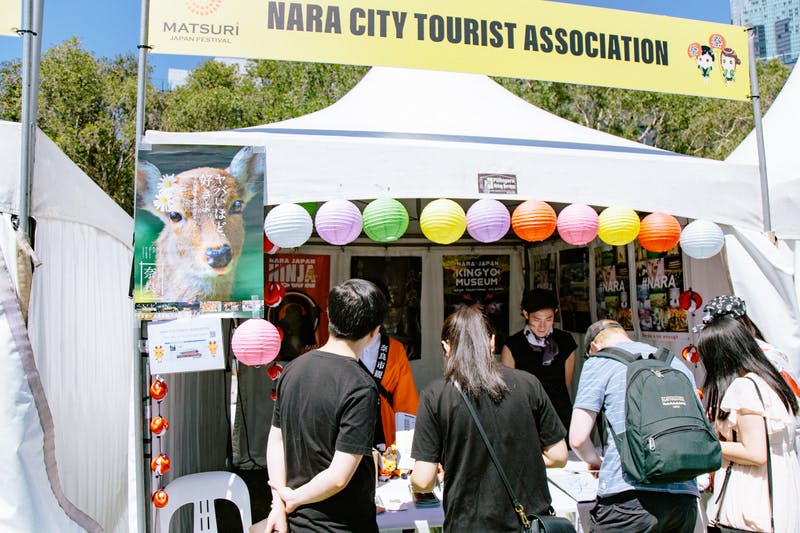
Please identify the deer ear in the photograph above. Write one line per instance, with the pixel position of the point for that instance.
(147, 179)
(247, 167)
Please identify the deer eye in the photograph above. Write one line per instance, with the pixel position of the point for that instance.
(174, 216)
(236, 207)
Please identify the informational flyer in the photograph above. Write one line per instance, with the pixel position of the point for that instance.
(185, 345)
(401, 279)
(544, 271)
(573, 289)
(304, 282)
(479, 279)
(612, 282)
(659, 283)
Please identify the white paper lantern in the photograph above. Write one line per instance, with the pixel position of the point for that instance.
(702, 239)
(288, 225)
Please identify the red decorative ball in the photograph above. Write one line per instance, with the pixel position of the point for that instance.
(160, 498)
(690, 354)
(533, 220)
(274, 371)
(158, 425)
(274, 294)
(273, 395)
(659, 232)
(160, 464)
(158, 389)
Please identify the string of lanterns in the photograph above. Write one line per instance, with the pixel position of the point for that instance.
(160, 464)
(443, 221)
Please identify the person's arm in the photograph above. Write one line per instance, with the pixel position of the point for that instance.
(580, 436)
(322, 486)
(555, 455)
(751, 447)
(569, 369)
(424, 476)
(506, 358)
(276, 466)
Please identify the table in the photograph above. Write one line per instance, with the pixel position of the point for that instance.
(574, 481)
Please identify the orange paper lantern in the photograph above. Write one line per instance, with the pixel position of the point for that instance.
(659, 232)
(533, 220)
(160, 498)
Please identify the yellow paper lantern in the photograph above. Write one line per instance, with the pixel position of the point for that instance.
(443, 221)
(618, 225)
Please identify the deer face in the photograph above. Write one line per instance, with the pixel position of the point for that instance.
(197, 250)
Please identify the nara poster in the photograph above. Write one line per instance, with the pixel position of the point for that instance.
(659, 283)
(297, 289)
(479, 279)
(401, 280)
(544, 271)
(612, 282)
(573, 289)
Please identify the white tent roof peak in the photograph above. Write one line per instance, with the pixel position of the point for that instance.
(426, 102)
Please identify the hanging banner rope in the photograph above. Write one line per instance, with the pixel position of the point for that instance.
(540, 40)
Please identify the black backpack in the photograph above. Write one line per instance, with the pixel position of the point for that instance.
(667, 436)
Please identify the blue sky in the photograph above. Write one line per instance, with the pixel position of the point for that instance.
(111, 27)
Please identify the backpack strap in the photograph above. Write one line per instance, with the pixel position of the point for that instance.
(618, 354)
(663, 354)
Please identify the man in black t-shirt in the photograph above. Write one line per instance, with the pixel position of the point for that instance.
(319, 452)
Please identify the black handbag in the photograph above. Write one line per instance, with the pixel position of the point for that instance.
(530, 523)
(715, 526)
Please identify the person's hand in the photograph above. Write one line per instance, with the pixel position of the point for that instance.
(287, 496)
(594, 469)
(440, 474)
(274, 523)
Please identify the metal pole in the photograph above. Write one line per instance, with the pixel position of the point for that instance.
(28, 122)
(143, 472)
(762, 160)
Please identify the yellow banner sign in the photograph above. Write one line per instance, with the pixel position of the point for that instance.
(530, 39)
(10, 16)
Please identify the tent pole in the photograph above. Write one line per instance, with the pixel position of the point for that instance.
(142, 473)
(32, 26)
(762, 161)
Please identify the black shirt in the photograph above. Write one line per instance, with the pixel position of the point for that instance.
(326, 402)
(552, 375)
(519, 427)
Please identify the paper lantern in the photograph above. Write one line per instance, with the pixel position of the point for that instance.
(443, 221)
(385, 220)
(488, 220)
(618, 225)
(534, 220)
(255, 342)
(702, 239)
(338, 222)
(158, 389)
(160, 498)
(311, 207)
(159, 425)
(160, 464)
(288, 226)
(577, 224)
(659, 232)
(270, 248)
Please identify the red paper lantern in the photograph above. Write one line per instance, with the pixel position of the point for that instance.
(274, 294)
(158, 389)
(659, 232)
(534, 220)
(256, 342)
(160, 498)
(158, 425)
(160, 464)
(274, 371)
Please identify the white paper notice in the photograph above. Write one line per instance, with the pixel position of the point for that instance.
(186, 345)
(404, 435)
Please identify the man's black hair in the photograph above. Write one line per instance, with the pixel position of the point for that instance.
(355, 307)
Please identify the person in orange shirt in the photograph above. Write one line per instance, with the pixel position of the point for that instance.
(386, 361)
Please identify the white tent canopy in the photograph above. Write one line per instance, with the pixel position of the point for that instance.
(422, 134)
(66, 378)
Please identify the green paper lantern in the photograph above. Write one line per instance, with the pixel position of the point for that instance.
(385, 220)
(311, 207)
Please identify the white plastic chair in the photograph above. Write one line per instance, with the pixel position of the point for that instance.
(201, 490)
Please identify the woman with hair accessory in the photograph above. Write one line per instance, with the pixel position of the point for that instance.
(753, 410)
(544, 351)
(517, 416)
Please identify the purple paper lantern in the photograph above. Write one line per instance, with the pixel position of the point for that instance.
(338, 222)
(256, 342)
(578, 224)
(488, 220)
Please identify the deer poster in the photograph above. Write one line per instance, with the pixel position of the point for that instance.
(198, 231)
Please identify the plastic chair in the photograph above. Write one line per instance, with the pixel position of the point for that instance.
(201, 490)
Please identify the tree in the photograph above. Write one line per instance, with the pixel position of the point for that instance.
(87, 106)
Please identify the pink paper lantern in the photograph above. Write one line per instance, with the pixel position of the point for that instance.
(256, 342)
(338, 222)
(577, 224)
(488, 220)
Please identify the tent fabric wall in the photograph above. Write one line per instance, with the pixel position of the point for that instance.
(80, 331)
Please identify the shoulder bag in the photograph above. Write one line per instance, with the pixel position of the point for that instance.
(530, 523)
(715, 526)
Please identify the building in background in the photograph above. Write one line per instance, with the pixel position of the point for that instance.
(776, 24)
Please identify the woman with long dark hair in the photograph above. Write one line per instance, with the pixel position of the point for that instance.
(737, 371)
(517, 416)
